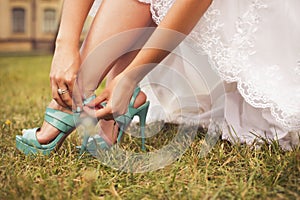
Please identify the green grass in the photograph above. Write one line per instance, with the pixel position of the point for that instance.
(227, 172)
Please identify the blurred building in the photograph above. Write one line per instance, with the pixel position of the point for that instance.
(27, 25)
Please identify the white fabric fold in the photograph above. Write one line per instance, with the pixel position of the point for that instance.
(251, 45)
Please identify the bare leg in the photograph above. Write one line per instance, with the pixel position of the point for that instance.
(112, 18)
(103, 46)
(109, 128)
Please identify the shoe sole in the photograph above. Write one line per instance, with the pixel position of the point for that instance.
(28, 149)
(31, 150)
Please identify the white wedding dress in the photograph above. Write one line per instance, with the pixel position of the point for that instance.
(240, 63)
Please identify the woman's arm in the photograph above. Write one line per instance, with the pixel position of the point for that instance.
(73, 16)
(66, 59)
(179, 21)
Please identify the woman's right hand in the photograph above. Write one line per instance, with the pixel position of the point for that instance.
(65, 65)
(117, 95)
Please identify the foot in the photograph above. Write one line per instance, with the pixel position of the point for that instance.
(47, 132)
(109, 129)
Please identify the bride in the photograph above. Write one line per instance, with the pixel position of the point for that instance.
(236, 60)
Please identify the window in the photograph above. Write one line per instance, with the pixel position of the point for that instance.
(18, 20)
(50, 21)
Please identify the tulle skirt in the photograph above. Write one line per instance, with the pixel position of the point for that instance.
(240, 65)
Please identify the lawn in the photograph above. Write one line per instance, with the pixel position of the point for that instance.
(227, 172)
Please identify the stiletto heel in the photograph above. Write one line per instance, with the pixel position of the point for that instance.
(123, 122)
(84, 143)
(126, 119)
(142, 116)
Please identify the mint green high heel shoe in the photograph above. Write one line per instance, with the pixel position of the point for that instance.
(28, 143)
(123, 122)
(66, 123)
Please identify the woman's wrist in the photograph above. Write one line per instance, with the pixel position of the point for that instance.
(127, 81)
(67, 44)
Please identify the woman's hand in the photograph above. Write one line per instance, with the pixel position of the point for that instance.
(116, 95)
(66, 60)
(63, 74)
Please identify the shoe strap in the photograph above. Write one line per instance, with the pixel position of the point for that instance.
(132, 100)
(134, 95)
(131, 103)
(61, 120)
(89, 99)
(29, 137)
(95, 142)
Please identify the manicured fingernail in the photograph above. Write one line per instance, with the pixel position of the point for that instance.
(78, 109)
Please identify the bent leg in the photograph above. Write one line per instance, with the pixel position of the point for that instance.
(109, 128)
(105, 43)
(112, 18)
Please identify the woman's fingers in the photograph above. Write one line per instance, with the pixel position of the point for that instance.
(56, 96)
(66, 98)
(103, 113)
(95, 108)
(66, 93)
(98, 100)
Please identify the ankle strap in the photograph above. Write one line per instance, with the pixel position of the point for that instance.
(134, 95)
(88, 100)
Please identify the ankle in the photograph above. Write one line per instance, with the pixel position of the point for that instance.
(140, 99)
(109, 131)
(54, 105)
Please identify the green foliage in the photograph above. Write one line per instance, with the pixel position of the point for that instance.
(227, 172)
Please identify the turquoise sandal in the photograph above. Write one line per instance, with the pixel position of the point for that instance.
(66, 123)
(28, 143)
(91, 144)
